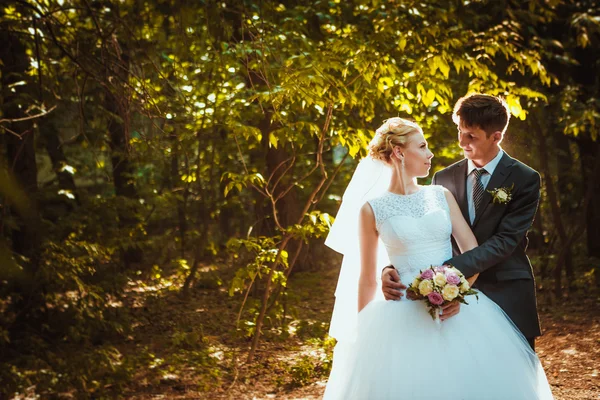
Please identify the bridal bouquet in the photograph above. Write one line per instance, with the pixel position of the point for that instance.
(439, 286)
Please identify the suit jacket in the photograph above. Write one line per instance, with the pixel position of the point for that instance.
(505, 273)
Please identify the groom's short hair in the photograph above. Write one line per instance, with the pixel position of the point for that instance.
(489, 113)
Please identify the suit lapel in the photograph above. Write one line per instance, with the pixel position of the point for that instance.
(500, 174)
(460, 183)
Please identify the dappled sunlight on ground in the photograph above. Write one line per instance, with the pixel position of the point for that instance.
(198, 355)
(570, 352)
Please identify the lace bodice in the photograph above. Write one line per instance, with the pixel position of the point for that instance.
(415, 229)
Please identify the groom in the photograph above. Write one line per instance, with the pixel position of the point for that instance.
(498, 196)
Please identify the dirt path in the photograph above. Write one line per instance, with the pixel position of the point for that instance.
(295, 367)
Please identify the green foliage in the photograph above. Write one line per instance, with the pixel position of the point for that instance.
(303, 371)
(240, 181)
(264, 257)
(99, 373)
(316, 225)
(317, 365)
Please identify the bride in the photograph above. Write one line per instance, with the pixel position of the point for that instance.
(394, 349)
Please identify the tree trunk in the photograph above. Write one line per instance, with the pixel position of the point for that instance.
(564, 162)
(54, 148)
(553, 200)
(117, 103)
(585, 74)
(288, 207)
(19, 139)
(588, 150)
(175, 181)
(28, 289)
(119, 145)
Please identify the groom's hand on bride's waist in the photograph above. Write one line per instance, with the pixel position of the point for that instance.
(390, 284)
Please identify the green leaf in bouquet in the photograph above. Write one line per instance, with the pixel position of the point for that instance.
(432, 312)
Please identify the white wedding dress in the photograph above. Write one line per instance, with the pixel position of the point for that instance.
(400, 352)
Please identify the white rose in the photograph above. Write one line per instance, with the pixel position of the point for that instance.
(425, 287)
(502, 195)
(450, 292)
(439, 279)
(456, 271)
(464, 286)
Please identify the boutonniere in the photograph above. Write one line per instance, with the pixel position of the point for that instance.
(502, 195)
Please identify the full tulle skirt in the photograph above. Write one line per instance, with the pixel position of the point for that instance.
(400, 352)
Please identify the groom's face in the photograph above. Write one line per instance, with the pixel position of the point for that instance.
(476, 144)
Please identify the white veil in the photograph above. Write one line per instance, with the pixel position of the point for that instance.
(371, 179)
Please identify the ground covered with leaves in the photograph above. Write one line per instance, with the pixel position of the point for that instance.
(193, 352)
(178, 347)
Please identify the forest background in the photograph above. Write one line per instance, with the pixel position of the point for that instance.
(169, 171)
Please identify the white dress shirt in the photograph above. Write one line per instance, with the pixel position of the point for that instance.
(485, 179)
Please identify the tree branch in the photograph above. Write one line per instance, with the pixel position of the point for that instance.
(26, 118)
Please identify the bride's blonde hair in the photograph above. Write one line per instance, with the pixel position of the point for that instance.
(393, 132)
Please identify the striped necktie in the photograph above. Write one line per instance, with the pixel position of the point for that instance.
(478, 189)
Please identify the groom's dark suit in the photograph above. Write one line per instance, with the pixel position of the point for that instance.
(505, 274)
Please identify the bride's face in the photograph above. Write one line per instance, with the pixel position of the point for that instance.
(417, 156)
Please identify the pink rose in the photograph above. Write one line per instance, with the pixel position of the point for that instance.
(435, 298)
(441, 269)
(427, 274)
(452, 278)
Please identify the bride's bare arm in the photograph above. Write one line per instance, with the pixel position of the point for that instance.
(368, 238)
(462, 233)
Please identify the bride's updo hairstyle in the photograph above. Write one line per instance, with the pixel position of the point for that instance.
(394, 132)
